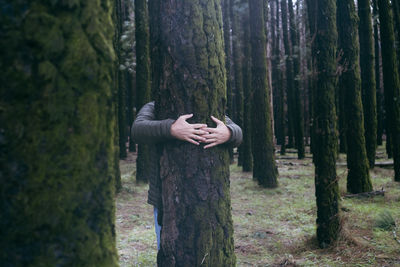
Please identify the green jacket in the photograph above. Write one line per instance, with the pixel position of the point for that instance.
(147, 130)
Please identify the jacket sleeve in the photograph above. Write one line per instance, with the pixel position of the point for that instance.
(147, 130)
(236, 132)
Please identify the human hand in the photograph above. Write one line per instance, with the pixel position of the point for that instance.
(185, 131)
(217, 135)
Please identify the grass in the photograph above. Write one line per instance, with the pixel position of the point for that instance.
(276, 227)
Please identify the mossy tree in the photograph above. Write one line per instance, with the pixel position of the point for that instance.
(143, 91)
(247, 156)
(298, 119)
(121, 89)
(368, 85)
(197, 224)
(237, 67)
(265, 170)
(390, 80)
(324, 132)
(289, 74)
(379, 92)
(358, 178)
(57, 134)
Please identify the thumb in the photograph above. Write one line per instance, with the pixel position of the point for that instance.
(186, 116)
(217, 121)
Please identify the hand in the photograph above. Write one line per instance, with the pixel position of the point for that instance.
(185, 131)
(218, 135)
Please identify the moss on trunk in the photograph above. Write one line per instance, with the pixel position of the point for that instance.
(390, 81)
(265, 170)
(143, 91)
(57, 134)
(197, 224)
(358, 179)
(368, 85)
(325, 139)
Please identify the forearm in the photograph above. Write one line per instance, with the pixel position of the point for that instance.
(236, 132)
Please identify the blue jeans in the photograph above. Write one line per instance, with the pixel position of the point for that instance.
(157, 227)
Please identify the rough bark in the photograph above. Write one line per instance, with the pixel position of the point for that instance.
(143, 91)
(237, 68)
(390, 81)
(57, 134)
(358, 178)
(368, 85)
(325, 139)
(298, 122)
(197, 224)
(265, 170)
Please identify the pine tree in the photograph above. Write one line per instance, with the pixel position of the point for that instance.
(368, 85)
(391, 81)
(265, 170)
(358, 179)
(197, 224)
(324, 132)
(57, 139)
(142, 80)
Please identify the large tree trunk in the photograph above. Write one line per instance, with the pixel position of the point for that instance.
(142, 80)
(358, 179)
(57, 138)
(197, 224)
(390, 81)
(368, 86)
(325, 139)
(265, 170)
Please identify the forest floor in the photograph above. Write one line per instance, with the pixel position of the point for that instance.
(276, 227)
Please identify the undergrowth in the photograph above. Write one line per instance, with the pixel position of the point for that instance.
(276, 227)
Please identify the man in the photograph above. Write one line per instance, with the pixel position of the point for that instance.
(147, 130)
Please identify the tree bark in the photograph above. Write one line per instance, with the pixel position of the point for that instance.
(390, 81)
(325, 139)
(57, 134)
(368, 85)
(265, 170)
(143, 91)
(358, 179)
(197, 226)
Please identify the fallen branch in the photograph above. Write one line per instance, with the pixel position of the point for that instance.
(366, 194)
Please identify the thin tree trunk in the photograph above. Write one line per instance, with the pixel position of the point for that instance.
(265, 170)
(197, 224)
(143, 91)
(391, 81)
(358, 179)
(368, 84)
(324, 149)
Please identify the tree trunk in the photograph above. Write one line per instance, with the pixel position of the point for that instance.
(57, 138)
(142, 80)
(298, 109)
(197, 224)
(237, 68)
(368, 85)
(325, 139)
(358, 179)
(248, 100)
(265, 170)
(390, 81)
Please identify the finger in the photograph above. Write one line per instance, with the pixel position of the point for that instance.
(210, 130)
(217, 121)
(197, 137)
(200, 132)
(198, 125)
(210, 136)
(192, 141)
(210, 145)
(186, 116)
(214, 140)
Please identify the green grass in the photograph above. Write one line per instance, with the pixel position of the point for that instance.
(276, 227)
